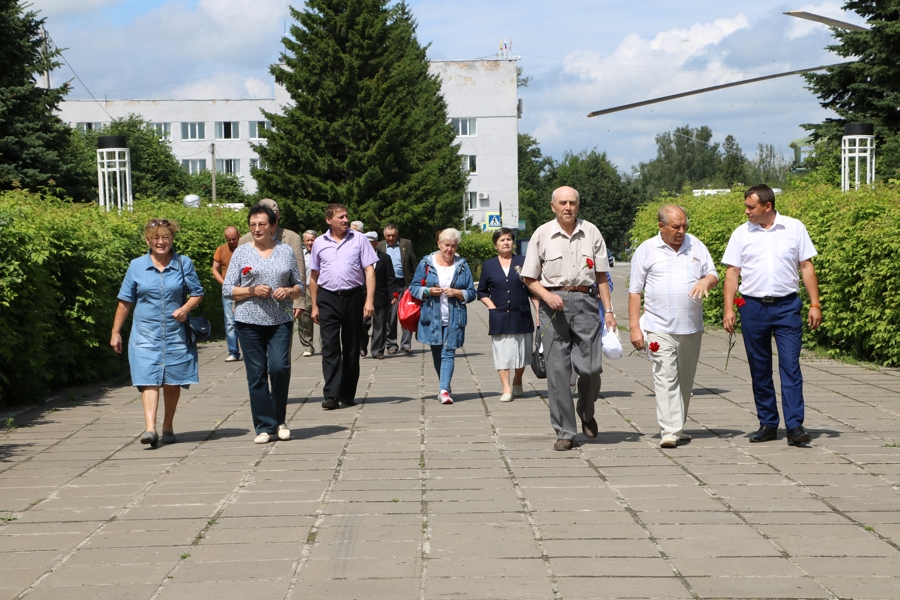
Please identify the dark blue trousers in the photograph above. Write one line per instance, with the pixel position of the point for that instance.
(267, 358)
(759, 322)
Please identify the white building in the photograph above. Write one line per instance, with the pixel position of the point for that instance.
(481, 100)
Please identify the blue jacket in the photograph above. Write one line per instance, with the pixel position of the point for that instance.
(430, 328)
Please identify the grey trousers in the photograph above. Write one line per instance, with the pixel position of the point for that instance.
(380, 329)
(393, 326)
(305, 326)
(572, 343)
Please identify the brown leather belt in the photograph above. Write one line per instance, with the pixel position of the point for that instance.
(584, 289)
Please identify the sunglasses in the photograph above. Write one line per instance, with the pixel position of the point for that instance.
(159, 223)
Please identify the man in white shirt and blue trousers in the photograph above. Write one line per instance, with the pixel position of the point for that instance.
(769, 254)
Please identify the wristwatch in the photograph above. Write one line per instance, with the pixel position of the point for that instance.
(606, 312)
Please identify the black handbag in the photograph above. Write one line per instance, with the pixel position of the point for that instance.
(537, 358)
(197, 329)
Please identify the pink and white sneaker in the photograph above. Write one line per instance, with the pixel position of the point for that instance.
(445, 398)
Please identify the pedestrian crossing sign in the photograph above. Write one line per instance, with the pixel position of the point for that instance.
(492, 222)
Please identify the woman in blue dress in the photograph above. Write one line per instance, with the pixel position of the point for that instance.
(158, 349)
(510, 321)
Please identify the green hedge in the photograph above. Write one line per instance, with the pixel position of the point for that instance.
(857, 235)
(61, 266)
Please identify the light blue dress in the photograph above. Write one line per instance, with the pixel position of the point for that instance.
(157, 345)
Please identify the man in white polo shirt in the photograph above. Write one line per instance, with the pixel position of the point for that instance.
(675, 272)
(769, 254)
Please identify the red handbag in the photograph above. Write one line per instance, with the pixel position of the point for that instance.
(409, 308)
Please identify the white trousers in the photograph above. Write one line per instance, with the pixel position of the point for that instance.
(674, 367)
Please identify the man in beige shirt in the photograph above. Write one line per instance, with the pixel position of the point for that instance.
(566, 269)
(285, 236)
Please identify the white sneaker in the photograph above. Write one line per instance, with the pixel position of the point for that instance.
(518, 392)
(263, 438)
(284, 434)
(684, 437)
(232, 358)
(445, 398)
(668, 441)
(307, 353)
(507, 397)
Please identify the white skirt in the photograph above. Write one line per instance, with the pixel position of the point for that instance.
(512, 350)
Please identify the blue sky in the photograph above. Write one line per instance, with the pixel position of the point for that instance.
(581, 55)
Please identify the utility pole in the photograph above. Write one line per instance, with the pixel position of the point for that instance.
(212, 152)
(46, 45)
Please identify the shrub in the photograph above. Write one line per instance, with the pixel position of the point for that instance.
(62, 265)
(857, 236)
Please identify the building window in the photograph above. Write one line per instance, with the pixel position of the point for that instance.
(472, 198)
(228, 165)
(256, 127)
(470, 165)
(193, 131)
(194, 165)
(228, 130)
(85, 127)
(257, 163)
(463, 127)
(163, 130)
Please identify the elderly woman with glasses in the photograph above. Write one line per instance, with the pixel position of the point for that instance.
(263, 280)
(443, 281)
(162, 288)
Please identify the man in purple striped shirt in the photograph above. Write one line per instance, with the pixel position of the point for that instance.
(342, 288)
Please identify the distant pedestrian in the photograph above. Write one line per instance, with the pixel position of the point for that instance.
(386, 294)
(403, 257)
(443, 281)
(221, 258)
(357, 226)
(674, 271)
(769, 254)
(510, 321)
(306, 327)
(263, 281)
(566, 268)
(163, 288)
(342, 286)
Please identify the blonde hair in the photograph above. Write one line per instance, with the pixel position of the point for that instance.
(159, 227)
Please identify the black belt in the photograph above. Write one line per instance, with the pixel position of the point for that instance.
(772, 299)
(584, 289)
(349, 292)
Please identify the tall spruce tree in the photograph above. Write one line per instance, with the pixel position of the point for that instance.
(32, 137)
(367, 126)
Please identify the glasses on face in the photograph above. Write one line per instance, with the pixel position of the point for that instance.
(159, 223)
(258, 225)
(161, 238)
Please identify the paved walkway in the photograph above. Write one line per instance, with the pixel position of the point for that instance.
(403, 498)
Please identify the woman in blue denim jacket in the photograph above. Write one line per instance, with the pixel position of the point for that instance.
(443, 281)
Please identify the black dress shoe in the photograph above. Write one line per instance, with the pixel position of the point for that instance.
(798, 435)
(590, 429)
(765, 434)
(330, 404)
(349, 402)
(563, 445)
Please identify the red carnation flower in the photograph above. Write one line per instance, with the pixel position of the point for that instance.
(246, 270)
(423, 281)
(396, 295)
(590, 263)
(654, 346)
(739, 302)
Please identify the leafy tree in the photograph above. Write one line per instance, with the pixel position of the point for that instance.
(734, 163)
(155, 172)
(867, 90)
(229, 187)
(769, 167)
(684, 156)
(608, 200)
(32, 138)
(367, 126)
(534, 190)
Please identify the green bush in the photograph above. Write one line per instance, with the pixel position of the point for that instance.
(477, 248)
(857, 236)
(62, 265)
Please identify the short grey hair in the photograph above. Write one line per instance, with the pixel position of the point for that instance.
(553, 196)
(450, 234)
(663, 215)
(311, 232)
(358, 225)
